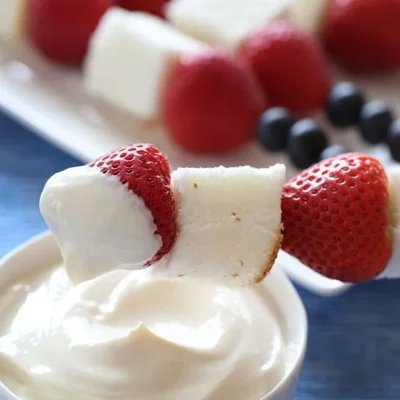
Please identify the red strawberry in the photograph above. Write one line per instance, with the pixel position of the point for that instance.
(155, 7)
(211, 103)
(290, 65)
(336, 218)
(61, 29)
(363, 35)
(146, 172)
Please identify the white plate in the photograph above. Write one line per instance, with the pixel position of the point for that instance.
(52, 102)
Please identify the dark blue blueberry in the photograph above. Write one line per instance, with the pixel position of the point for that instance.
(333, 151)
(344, 105)
(306, 142)
(394, 140)
(274, 127)
(375, 121)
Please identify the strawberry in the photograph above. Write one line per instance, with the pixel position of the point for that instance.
(336, 218)
(211, 103)
(155, 7)
(146, 172)
(363, 35)
(61, 29)
(290, 65)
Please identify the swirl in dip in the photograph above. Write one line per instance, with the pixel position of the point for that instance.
(131, 335)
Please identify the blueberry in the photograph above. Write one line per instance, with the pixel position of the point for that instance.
(306, 142)
(333, 151)
(273, 128)
(394, 140)
(375, 121)
(344, 105)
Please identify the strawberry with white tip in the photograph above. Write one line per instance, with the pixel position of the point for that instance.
(117, 212)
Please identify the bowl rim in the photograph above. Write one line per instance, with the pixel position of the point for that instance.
(43, 247)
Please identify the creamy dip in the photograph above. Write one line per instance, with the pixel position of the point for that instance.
(131, 335)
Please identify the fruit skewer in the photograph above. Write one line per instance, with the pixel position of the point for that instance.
(340, 218)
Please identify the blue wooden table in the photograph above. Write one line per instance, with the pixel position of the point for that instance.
(354, 343)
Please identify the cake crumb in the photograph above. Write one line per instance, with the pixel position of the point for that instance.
(236, 216)
(235, 275)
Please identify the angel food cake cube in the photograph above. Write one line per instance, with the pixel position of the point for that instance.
(229, 222)
(225, 23)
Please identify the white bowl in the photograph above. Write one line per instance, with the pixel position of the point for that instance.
(42, 251)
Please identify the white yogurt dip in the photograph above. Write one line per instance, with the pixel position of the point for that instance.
(97, 222)
(131, 335)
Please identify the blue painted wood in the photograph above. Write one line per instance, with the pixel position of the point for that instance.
(354, 344)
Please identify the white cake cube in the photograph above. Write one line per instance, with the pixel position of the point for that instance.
(229, 223)
(225, 23)
(309, 14)
(129, 56)
(11, 15)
